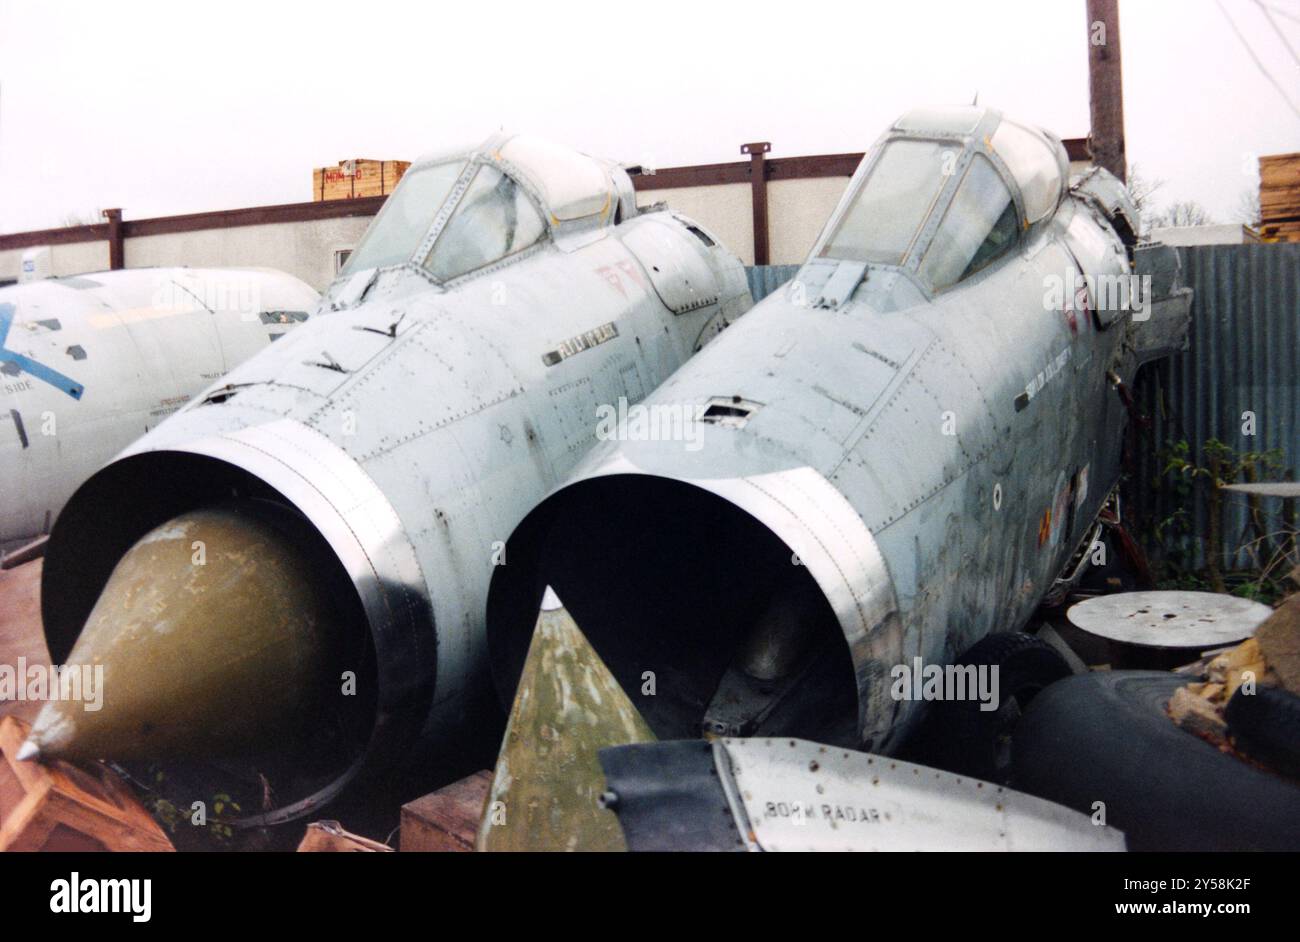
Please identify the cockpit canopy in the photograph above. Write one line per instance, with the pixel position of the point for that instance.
(453, 214)
(946, 192)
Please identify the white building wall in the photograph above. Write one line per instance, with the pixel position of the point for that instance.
(303, 249)
(724, 210)
(75, 258)
(796, 212)
(1218, 234)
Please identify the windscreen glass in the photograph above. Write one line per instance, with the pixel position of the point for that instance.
(980, 225)
(494, 219)
(1032, 160)
(887, 212)
(405, 219)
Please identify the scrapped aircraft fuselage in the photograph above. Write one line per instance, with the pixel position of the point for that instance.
(92, 362)
(900, 450)
(451, 376)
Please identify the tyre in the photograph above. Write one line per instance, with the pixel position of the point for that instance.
(1105, 737)
(961, 737)
(1266, 725)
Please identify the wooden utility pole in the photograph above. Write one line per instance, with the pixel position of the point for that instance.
(1106, 87)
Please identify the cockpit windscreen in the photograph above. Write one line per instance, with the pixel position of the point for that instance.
(493, 220)
(405, 218)
(889, 209)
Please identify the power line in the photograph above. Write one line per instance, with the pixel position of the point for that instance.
(1251, 52)
(1277, 29)
(1280, 10)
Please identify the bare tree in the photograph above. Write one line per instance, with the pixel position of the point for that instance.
(1141, 188)
(1183, 213)
(91, 218)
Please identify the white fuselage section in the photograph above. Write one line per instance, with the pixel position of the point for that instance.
(90, 363)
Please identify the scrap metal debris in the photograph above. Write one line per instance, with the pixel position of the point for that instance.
(1269, 659)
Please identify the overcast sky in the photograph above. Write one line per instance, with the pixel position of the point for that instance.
(164, 108)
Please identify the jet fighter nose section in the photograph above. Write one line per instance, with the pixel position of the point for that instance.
(212, 636)
(501, 296)
(712, 601)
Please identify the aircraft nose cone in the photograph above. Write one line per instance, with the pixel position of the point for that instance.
(547, 788)
(210, 637)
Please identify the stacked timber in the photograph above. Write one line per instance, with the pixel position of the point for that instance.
(1279, 197)
(350, 179)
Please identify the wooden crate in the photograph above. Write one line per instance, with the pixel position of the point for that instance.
(448, 819)
(350, 179)
(58, 806)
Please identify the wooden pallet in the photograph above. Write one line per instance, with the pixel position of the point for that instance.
(58, 806)
(448, 819)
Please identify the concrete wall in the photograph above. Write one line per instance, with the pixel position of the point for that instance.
(304, 249)
(1224, 234)
(75, 258)
(723, 210)
(796, 210)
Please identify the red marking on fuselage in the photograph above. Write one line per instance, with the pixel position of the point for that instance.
(611, 276)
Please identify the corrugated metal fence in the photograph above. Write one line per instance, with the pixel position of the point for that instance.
(1237, 383)
(1244, 358)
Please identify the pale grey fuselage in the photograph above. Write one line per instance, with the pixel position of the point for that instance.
(415, 423)
(933, 460)
(861, 397)
(127, 348)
